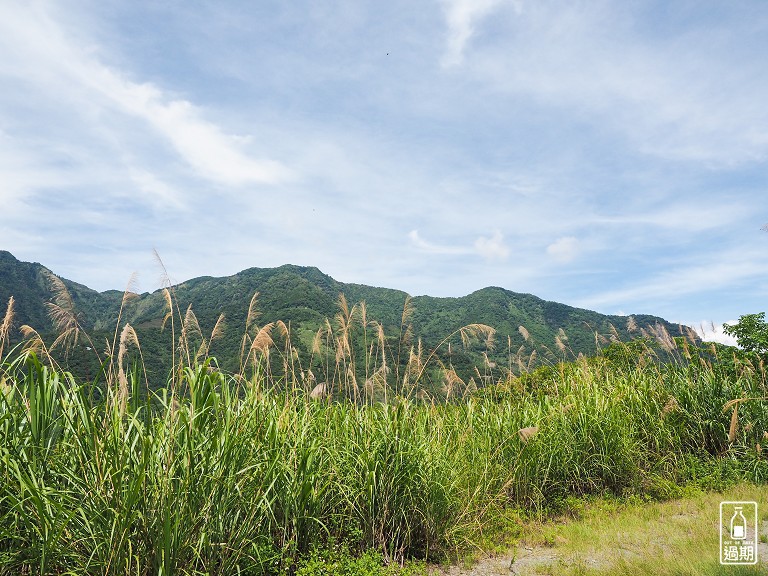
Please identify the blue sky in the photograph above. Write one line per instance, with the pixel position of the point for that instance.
(608, 155)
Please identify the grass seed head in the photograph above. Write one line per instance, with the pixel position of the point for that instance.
(527, 433)
(734, 427)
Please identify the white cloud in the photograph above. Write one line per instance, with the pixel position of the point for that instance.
(18, 173)
(599, 132)
(214, 154)
(715, 213)
(695, 93)
(711, 332)
(155, 191)
(431, 248)
(492, 248)
(462, 17)
(76, 74)
(564, 249)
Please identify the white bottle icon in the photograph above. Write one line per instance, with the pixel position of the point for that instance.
(738, 525)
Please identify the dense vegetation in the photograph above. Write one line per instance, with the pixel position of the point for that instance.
(384, 452)
(302, 298)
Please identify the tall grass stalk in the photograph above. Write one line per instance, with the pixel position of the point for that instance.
(245, 473)
(227, 478)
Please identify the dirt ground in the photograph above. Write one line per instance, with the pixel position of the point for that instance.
(541, 560)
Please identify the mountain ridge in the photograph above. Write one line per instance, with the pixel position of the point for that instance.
(304, 297)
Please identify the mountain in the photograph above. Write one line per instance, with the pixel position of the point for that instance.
(304, 297)
(29, 284)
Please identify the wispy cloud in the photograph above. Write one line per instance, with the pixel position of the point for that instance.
(716, 213)
(38, 42)
(431, 248)
(210, 151)
(489, 248)
(158, 193)
(564, 249)
(693, 94)
(720, 271)
(462, 17)
(492, 248)
(624, 139)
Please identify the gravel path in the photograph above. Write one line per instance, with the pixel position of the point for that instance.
(523, 561)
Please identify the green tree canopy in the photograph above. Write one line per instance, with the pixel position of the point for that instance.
(751, 332)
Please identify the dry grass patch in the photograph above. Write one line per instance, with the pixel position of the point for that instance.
(662, 538)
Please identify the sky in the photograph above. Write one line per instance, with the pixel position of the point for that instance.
(609, 155)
